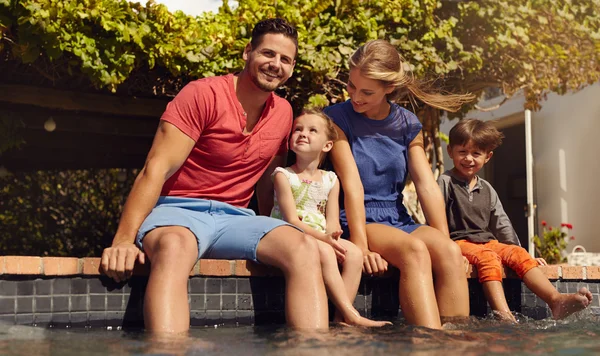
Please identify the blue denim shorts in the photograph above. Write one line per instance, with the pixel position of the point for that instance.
(222, 231)
(386, 213)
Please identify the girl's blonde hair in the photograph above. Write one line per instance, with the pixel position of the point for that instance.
(379, 60)
(329, 125)
(330, 130)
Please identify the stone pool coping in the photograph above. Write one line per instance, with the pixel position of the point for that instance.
(90, 266)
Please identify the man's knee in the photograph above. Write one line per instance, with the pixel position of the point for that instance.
(174, 243)
(304, 248)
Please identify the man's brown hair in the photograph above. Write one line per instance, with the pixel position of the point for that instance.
(483, 134)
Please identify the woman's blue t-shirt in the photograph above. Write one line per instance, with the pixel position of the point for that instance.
(380, 149)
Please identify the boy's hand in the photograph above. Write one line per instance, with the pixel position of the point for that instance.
(541, 261)
(373, 263)
(117, 261)
(332, 239)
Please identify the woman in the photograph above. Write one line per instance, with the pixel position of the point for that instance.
(386, 143)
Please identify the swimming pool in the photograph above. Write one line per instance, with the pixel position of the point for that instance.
(577, 335)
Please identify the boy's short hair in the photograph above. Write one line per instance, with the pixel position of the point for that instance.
(483, 134)
(273, 26)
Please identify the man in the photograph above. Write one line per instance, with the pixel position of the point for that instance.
(216, 140)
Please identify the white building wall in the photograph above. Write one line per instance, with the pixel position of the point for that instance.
(566, 151)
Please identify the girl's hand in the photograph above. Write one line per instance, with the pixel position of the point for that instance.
(373, 263)
(332, 239)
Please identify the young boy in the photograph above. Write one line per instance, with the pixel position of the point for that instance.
(482, 229)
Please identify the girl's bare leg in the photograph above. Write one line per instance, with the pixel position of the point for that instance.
(337, 291)
(451, 287)
(410, 255)
(351, 272)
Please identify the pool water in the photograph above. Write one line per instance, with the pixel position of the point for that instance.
(578, 335)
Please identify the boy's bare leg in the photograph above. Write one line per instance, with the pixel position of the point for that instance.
(411, 257)
(451, 287)
(562, 305)
(337, 291)
(297, 255)
(166, 308)
(494, 293)
(351, 272)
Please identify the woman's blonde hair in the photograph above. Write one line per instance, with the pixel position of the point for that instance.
(379, 60)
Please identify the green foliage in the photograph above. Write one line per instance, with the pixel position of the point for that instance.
(552, 244)
(538, 46)
(68, 213)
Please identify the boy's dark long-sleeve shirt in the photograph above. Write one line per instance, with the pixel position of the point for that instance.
(475, 214)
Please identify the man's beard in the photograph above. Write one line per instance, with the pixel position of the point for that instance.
(267, 87)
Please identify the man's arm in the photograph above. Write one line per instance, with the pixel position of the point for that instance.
(169, 150)
(500, 224)
(264, 186)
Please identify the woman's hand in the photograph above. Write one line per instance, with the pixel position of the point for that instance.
(373, 263)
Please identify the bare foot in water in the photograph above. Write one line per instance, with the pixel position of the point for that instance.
(505, 316)
(357, 320)
(568, 304)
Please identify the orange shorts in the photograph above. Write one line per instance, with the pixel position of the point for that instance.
(489, 257)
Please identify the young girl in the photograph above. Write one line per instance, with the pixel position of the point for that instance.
(307, 197)
(386, 143)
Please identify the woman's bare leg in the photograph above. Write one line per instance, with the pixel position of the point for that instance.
(410, 255)
(451, 288)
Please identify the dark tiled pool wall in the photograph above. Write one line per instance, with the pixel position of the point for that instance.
(97, 301)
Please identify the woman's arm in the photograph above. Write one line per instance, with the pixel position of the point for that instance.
(354, 202)
(354, 195)
(428, 190)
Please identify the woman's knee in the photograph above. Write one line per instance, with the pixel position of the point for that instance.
(414, 252)
(448, 255)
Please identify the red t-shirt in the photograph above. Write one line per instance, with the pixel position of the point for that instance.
(225, 164)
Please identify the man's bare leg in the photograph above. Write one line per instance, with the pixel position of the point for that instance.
(494, 293)
(172, 251)
(562, 305)
(297, 255)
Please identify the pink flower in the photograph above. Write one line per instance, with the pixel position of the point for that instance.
(567, 225)
(572, 238)
(544, 223)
